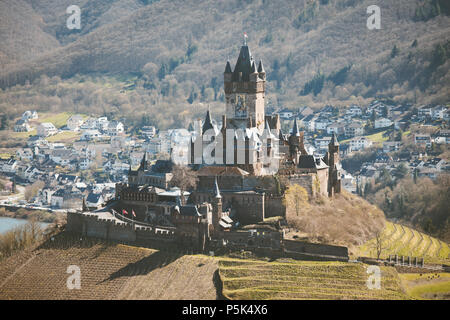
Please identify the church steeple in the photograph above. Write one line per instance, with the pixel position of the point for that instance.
(143, 165)
(295, 131)
(208, 123)
(228, 67)
(334, 141)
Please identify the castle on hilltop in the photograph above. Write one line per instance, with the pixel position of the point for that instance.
(248, 149)
(258, 146)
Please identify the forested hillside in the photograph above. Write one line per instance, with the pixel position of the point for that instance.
(153, 56)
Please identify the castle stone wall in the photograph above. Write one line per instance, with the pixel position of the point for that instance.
(315, 248)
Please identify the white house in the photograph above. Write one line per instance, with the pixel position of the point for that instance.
(337, 128)
(94, 200)
(322, 143)
(84, 163)
(8, 166)
(90, 135)
(61, 156)
(148, 131)
(120, 166)
(29, 115)
(442, 137)
(88, 124)
(438, 112)
(114, 128)
(391, 146)
(354, 129)
(359, 143)
(321, 123)
(46, 129)
(22, 126)
(424, 111)
(382, 123)
(102, 123)
(309, 122)
(422, 140)
(74, 122)
(285, 114)
(24, 153)
(354, 111)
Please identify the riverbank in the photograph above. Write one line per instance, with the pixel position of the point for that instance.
(9, 224)
(35, 215)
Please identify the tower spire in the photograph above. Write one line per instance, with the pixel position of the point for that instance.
(216, 189)
(143, 162)
(228, 67)
(295, 131)
(208, 123)
(334, 140)
(245, 38)
(261, 67)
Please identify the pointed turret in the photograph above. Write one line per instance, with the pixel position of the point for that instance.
(295, 131)
(334, 140)
(143, 165)
(243, 65)
(216, 190)
(253, 69)
(208, 123)
(261, 67)
(228, 67)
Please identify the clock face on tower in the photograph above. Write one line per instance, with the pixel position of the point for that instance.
(240, 108)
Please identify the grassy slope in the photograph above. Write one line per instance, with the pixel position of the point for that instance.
(252, 279)
(107, 272)
(405, 241)
(114, 271)
(59, 119)
(427, 286)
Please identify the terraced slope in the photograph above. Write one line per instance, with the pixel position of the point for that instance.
(187, 277)
(405, 241)
(427, 286)
(108, 271)
(251, 279)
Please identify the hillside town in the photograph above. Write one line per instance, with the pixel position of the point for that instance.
(104, 152)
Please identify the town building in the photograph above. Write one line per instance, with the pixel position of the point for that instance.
(46, 129)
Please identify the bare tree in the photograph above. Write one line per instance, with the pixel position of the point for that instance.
(295, 199)
(184, 178)
(380, 244)
(32, 190)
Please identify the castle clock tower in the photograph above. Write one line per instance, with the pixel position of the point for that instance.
(244, 92)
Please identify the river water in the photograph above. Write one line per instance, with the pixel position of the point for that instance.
(7, 224)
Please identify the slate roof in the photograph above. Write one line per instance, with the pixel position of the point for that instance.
(208, 123)
(310, 162)
(243, 64)
(93, 197)
(221, 171)
(189, 211)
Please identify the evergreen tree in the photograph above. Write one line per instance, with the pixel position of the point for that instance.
(395, 51)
